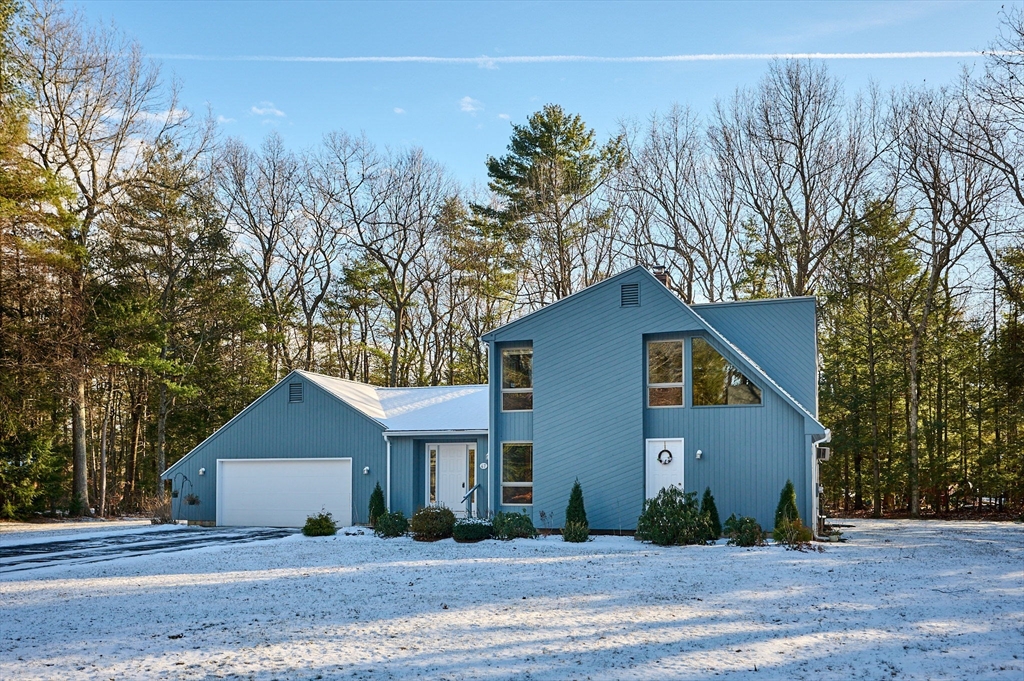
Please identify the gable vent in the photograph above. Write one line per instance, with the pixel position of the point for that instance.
(294, 392)
(629, 295)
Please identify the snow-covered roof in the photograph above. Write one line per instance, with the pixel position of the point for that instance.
(434, 408)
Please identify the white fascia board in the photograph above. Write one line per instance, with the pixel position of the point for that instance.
(430, 433)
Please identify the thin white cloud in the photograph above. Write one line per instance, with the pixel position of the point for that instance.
(399, 110)
(470, 105)
(224, 119)
(267, 109)
(488, 62)
(504, 117)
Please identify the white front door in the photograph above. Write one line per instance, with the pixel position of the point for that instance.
(448, 476)
(664, 465)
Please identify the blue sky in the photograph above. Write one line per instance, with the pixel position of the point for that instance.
(461, 112)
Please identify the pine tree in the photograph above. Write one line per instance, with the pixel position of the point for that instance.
(575, 512)
(377, 505)
(786, 510)
(708, 508)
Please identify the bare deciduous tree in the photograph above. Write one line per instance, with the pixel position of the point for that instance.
(683, 205)
(801, 156)
(261, 196)
(951, 195)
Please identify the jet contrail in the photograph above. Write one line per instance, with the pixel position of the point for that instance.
(578, 58)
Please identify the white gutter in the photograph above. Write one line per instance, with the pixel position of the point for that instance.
(434, 433)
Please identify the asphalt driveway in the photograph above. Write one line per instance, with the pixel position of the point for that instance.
(18, 554)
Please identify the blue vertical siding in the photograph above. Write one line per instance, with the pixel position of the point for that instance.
(319, 426)
(748, 453)
(590, 418)
(403, 476)
(779, 335)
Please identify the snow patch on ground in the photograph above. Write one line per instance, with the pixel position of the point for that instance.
(901, 600)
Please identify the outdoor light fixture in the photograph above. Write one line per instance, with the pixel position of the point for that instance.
(699, 454)
(202, 471)
(366, 471)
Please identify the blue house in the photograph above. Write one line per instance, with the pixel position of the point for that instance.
(622, 386)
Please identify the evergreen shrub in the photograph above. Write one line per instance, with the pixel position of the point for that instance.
(575, 512)
(513, 526)
(431, 523)
(786, 510)
(393, 524)
(576, 527)
(320, 525)
(470, 530)
(576, 532)
(672, 518)
(710, 511)
(377, 505)
(744, 531)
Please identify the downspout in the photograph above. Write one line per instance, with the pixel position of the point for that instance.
(816, 474)
(387, 474)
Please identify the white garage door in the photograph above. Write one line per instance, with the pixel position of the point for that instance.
(282, 492)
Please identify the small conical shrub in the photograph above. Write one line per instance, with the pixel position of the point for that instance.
(377, 506)
(708, 508)
(786, 509)
(575, 512)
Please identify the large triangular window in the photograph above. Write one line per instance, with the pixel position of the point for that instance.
(716, 381)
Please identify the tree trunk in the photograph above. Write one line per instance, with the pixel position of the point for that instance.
(131, 464)
(80, 484)
(161, 450)
(876, 491)
(396, 347)
(103, 449)
(913, 407)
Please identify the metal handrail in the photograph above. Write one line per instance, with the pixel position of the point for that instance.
(470, 492)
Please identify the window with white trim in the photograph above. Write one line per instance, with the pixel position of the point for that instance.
(517, 473)
(517, 379)
(665, 373)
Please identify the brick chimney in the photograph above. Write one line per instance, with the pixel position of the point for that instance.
(660, 274)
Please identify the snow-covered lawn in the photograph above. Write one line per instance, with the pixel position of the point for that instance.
(900, 600)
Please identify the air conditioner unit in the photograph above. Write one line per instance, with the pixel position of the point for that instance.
(823, 453)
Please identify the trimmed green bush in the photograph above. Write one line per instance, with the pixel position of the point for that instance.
(672, 518)
(576, 532)
(710, 511)
(393, 524)
(786, 510)
(513, 526)
(744, 531)
(377, 505)
(470, 530)
(575, 512)
(431, 523)
(320, 525)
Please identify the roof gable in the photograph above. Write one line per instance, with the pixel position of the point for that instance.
(779, 334)
(688, 320)
(439, 408)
